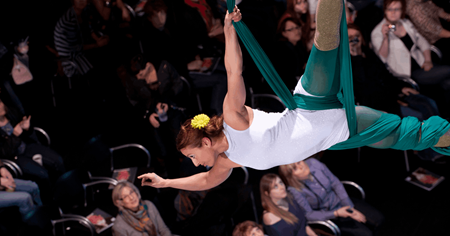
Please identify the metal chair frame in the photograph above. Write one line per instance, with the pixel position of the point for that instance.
(134, 145)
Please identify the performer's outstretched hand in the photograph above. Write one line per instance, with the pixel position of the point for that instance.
(235, 16)
(152, 180)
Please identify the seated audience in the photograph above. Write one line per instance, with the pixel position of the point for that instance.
(136, 216)
(70, 43)
(395, 37)
(282, 214)
(248, 228)
(425, 16)
(16, 192)
(298, 9)
(322, 197)
(180, 47)
(156, 96)
(290, 54)
(19, 143)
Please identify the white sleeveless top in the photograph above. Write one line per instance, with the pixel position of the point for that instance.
(275, 139)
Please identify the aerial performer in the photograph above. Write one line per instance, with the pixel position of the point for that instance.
(321, 113)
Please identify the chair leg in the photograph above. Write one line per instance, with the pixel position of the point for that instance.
(406, 160)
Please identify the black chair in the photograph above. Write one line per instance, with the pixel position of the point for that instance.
(77, 194)
(42, 136)
(10, 221)
(47, 220)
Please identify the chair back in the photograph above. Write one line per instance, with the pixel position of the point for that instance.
(266, 102)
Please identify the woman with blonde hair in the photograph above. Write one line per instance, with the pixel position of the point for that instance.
(282, 215)
(136, 216)
(322, 197)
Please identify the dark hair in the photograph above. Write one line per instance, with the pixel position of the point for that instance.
(355, 27)
(282, 26)
(154, 6)
(192, 137)
(388, 2)
(304, 19)
(137, 63)
(242, 228)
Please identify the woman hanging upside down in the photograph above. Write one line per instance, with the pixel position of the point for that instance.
(243, 136)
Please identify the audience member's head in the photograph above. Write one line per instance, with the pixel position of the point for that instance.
(156, 11)
(143, 69)
(3, 109)
(273, 190)
(126, 196)
(394, 10)
(354, 36)
(289, 29)
(292, 173)
(248, 228)
(79, 5)
(298, 6)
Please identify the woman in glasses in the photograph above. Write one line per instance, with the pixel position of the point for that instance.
(136, 216)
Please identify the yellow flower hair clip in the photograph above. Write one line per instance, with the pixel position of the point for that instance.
(200, 121)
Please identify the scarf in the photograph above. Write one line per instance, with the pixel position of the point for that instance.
(205, 11)
(139, 220)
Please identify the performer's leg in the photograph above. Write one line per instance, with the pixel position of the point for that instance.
(367, 116)
(321, 75)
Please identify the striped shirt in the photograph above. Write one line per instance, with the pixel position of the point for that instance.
(69, 44)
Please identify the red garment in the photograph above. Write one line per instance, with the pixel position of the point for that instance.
(205, 11)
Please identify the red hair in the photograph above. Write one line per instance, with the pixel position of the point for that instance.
(192, 137)
(304, 19)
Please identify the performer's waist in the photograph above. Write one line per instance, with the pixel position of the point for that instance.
(317, 103)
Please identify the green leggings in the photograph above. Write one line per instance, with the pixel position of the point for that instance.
(374, 128)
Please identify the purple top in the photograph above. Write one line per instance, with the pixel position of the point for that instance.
(322, 195)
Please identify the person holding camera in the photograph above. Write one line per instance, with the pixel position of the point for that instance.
(405, 51)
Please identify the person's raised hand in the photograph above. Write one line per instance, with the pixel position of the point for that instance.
(152, 180)
(25, 123)
(235, 16)
(126, 15)
(153, 121)
(18, 130)
(385, 30)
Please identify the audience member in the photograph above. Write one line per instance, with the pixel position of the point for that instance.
(136, 216)
(248, 228)
(19, 143)
(322, 197)
(375, 87)
(282, 215)
(16, 192)
(290, 54)
(71, 39)
(425, 16)
(105, 8)
(394, 37)
(298, 9)
(157, 97)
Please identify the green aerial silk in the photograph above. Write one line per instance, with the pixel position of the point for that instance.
(404, 131)
(263, 63)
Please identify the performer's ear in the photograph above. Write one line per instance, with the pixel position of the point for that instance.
(206, 141)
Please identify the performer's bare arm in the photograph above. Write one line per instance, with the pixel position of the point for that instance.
(202, 181)
(236, 114)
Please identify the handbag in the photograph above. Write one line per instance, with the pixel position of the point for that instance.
(20, 73)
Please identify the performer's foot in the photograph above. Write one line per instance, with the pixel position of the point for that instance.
(328, 15)
(444, 140)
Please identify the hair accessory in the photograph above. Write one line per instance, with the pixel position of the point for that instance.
(200, 121)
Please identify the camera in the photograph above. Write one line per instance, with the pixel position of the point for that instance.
(392, 28)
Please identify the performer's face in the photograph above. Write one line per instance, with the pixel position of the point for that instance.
(255, 231)
(393, 12)
(204, 155)
(278, 190)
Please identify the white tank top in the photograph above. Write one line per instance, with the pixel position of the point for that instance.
(275, 139)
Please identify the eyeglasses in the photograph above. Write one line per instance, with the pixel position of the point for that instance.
(127, 197)
(291, 29)
(393, 9)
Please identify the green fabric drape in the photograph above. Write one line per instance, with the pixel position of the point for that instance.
(269, 73)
